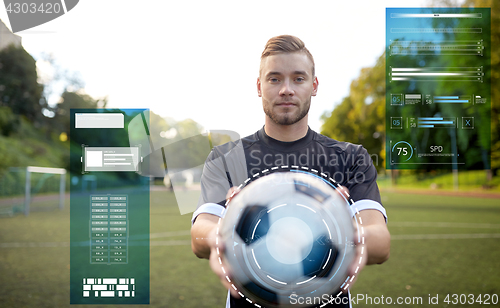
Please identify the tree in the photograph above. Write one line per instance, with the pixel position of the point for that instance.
(19, 88)
(359, 118)
(74, 100)
(494, 75)
(495, 78)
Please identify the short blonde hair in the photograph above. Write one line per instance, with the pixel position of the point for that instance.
(285, 44)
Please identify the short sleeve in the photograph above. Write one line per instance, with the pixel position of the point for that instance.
(214, 187)
(224, 167)
(361, 180)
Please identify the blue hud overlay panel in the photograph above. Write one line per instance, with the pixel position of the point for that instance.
(109, 210)
(438, 96)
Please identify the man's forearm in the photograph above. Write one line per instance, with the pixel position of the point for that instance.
(378, 243)
(201, 231)
(377, 238)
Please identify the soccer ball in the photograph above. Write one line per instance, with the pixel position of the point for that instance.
(288, 234)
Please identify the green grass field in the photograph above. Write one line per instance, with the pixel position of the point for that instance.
(474, 180)
(440, 245)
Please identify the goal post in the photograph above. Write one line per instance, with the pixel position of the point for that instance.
(46, 170)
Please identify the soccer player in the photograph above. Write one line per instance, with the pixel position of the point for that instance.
(286, 84)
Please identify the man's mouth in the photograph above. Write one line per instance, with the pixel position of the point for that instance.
(286, 104)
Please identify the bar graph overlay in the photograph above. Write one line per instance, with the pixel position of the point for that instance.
(469, 74)
(435, 122)
(438, 88)
(456, 48)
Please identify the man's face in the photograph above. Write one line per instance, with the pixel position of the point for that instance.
(286, 85)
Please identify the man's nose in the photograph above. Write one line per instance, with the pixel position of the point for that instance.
(286, 89)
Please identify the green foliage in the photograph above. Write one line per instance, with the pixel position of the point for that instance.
(360, 117)
(19, 88)
(8, 121)
(74, 100)
(28, 147)
(495, 77)
(26, 136)
(23, 143)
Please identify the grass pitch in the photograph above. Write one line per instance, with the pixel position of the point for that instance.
(440, 245)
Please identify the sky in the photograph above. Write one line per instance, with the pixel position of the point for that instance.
(200, 59)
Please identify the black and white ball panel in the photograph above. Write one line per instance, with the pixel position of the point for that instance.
(288, 232)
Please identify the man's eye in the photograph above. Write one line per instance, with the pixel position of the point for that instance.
(273, 79)
(300, 79)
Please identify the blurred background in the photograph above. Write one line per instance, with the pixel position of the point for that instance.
(180, 61)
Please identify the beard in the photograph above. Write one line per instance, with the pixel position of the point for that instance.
(286, 118)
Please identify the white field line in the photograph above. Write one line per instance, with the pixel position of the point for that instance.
(169, 234)
(34, 244)
(443, 236)
(406, 224)
(67, 244)
(443, 225)
(392, 224)
(170, 243)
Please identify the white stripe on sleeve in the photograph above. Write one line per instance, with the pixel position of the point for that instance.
(367, 204)
(208, 208)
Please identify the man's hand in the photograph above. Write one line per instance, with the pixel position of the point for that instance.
(358, 263)
(219, 267)
(372, 230)
(206, 243)
(204, 229)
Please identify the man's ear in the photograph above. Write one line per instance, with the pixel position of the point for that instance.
(315, 86)
(259, 93)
